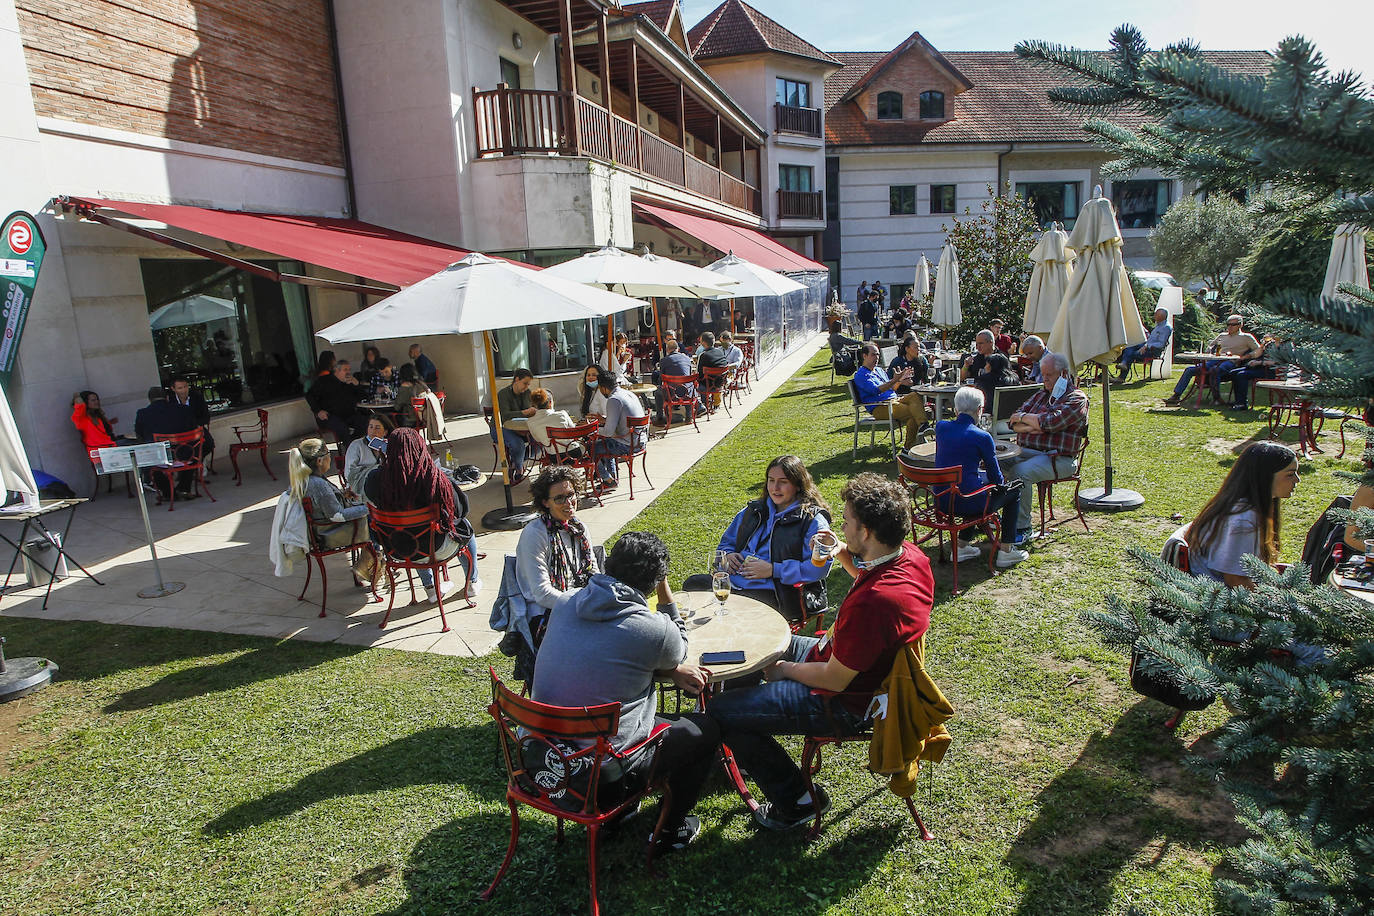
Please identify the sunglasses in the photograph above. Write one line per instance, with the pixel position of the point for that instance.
(563, 498)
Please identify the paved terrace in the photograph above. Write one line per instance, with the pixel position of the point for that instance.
(219, 549)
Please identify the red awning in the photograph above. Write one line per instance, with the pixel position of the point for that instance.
(749, 244)
(346, 245)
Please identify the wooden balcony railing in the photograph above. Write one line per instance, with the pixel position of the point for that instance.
(797, 120)
(800, 204)
(513, 121)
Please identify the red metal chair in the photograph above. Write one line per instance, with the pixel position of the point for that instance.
(750, 363)
(575, 447)
(922, 484)
(409, 539)
(315, 556)
(680, 391)
(529, 731)
(716, 381)
(642, 452)
(1044, 489)
(187, 455)
(258, 445)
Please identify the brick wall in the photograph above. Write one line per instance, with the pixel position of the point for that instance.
(250, 75)
(911, 74)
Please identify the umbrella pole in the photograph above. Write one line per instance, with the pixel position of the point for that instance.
(1107, 498)
(658, 329)
(509, 517)
(732, 316)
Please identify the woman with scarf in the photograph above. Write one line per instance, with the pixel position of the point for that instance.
(554, 557)
(410, 478)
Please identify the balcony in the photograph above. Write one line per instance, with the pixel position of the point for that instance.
(800, 204)
(512, 122)
(805, 121)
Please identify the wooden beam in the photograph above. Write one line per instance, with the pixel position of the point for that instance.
(569, 68)
(634, 105)
(603, 59)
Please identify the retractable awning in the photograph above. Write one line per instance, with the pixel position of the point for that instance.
(349, 246)
(749, 244)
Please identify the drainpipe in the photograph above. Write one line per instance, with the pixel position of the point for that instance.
(343, 111)
(1010, 147)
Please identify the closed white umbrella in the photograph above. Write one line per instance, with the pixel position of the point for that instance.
(479, 294)
(1096, 320)
(1347, 262)
(196, 309)
(945, 312)
(1049, 280)
(14, 462)
(922, 288)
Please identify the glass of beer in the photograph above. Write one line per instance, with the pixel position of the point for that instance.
(720, 587)
(822, 547)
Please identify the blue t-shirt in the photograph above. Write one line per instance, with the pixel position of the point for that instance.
(868, 381)
(959, 443)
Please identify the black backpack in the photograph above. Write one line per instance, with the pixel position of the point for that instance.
(1319, 548)
(844, 363)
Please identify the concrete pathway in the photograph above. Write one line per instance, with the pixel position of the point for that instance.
(219, 549)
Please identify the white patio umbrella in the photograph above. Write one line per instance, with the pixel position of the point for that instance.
(1096, 320)
(1049, 280)
(479, 294)
(14, 462)
(752, 280)
(945, 313)
(196, 309)
(1347, 262)
(922, 288)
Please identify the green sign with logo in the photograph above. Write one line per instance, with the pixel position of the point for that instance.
(21, 255)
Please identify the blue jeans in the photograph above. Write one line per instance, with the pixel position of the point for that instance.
(515, 448)
(1136, 354)
(1216, 367)
(749, 718)
(605, 451)
(447, 549)
(1032, 467)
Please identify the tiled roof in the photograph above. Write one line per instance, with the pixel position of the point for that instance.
(913, 43)
(659, 12)
(736, 28)
(1008, 102)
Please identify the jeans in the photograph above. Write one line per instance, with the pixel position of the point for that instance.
(605, 451)
(1008, 501)
(751, 716)
(1240, 381)
(516, 447)
(1032, 467)
(1136, 354)
(1215, 367)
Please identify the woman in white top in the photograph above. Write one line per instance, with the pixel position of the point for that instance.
(1243, 517)
(361, 458)
(545, 416)
(554, 557)
(593, 401)
(616, 358)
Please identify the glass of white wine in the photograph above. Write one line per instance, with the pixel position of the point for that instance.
(720, 580)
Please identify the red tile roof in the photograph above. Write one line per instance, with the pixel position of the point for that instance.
(921, 46)
(735, 28)
(1008, 102)
(659, 12)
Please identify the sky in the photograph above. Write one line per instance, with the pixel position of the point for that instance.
(1343, 30)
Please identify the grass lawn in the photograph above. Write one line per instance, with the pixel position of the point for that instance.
(184, 772)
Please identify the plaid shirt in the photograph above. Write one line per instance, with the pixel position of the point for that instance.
(1063, 423)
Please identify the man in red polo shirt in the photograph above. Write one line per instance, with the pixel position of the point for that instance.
(887, 607)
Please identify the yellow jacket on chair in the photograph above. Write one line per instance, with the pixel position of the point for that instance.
(908, 714)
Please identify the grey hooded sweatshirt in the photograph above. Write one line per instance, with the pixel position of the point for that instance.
(603, 645)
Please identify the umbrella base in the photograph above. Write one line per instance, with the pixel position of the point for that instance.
(1098, 499)
(503, 519)
(23, 676)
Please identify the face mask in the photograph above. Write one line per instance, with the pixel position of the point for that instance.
(1060, 387)
(592, 384)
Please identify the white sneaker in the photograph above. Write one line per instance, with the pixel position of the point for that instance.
(1010, 556)
(474, 587)
(446, 588)
(968, 552)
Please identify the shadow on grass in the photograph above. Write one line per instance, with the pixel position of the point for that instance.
(434, 756)
(451, 866)
(1097, 817)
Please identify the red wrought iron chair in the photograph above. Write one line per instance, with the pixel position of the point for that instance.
(680, 391)
(409, 539)
(1044, 489)
(715, 380)
(641, 452)
(750, 363)
(187, 451)
(315, 556)
(257, 444)
(575, 447)
(923, 484)
(551, 738)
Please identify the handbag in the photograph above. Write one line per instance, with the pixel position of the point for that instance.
(1165, 691)
(366, 566)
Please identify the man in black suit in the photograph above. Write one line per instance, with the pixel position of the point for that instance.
(161, 417)
(186, 398)
(334, 399)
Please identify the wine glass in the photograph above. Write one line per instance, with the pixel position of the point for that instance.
(720, 580)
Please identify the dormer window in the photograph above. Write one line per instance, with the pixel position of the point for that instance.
(932, 105)
(889, 106)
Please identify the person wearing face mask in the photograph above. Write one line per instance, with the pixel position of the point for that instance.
(887, 608)
(1054, 419)
(593, 401)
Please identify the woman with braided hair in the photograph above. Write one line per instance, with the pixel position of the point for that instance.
(410, 478)
(554, 557)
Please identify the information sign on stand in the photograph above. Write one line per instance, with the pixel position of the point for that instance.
(118, 459)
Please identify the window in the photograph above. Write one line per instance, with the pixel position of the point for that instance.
(240, 338)
(1051, 200)
(555, 346)
(794, 177)
(510, 73)
(932, 105)
(1140, 204)
(943, 198)
(794, 94)
(889, 106)
(901, 199)
(832, 189)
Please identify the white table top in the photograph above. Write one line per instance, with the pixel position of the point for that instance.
(750, 625)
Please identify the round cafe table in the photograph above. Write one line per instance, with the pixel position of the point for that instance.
(939, 394)
(1352, 588)
(751, 626)
(923, 454)
(1290, 403)
(1190, 359)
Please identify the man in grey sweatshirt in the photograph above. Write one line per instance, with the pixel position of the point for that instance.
(604, 645)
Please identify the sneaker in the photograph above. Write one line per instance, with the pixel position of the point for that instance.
(1023, 536)
(969, 552)
(1172, 400)
(673, 839)
(448, 587)
(1010, 556)
(1238, 407)
(775, 817)
(474, 587)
